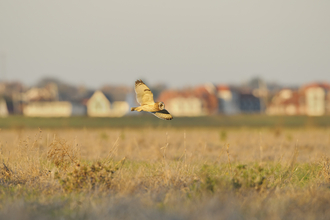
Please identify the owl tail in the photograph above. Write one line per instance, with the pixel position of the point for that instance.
(136, 109)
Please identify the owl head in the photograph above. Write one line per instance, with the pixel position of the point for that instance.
(161, 105)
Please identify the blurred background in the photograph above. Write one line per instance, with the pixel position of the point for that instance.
(68, 58)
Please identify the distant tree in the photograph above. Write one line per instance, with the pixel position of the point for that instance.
(116, 92)
(47, 80)
(66, 92)
(157, 89)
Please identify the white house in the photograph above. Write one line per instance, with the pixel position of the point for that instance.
(3, 108)
(185, 106)
(99, 106)
(317, 98)
(48, 109)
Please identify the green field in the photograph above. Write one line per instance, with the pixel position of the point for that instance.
(151, 121)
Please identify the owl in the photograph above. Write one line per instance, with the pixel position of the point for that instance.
(146, 99)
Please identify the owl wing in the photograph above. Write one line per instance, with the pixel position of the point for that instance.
(163, 114)
(143, 94)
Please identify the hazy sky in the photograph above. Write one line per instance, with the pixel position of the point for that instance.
(177, 42)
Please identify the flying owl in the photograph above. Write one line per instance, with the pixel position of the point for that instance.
(146, 99)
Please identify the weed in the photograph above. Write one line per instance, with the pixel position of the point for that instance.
(63, 154)
(166, 174)
(223, 135)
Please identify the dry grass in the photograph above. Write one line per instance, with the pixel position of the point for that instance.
(165, 174)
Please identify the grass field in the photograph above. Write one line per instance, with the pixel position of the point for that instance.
(148, 120)
(164, 172)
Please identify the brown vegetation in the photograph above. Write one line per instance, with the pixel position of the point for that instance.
(165, 173)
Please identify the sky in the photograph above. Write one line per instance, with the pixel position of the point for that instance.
(178, 43)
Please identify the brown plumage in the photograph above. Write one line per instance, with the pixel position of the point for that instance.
(146, 100)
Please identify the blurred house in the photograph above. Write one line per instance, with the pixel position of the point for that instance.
(286, 102)
(228, 100)
(317, 98)
(3, 108)
(8, 88)
(11, 93)
(99, 105)
(52, 109)
(47, 93)
(253, 96)
(311, 99)
(208, 94)
(62, 90)
(248, 102)
(182, 103)
(44, 102)
(191, 102)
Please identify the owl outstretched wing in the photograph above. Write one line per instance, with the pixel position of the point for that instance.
(143, 94)
(163, 114)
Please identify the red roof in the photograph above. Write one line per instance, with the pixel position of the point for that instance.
(210, 101)
(222, 88)
(325, 86)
